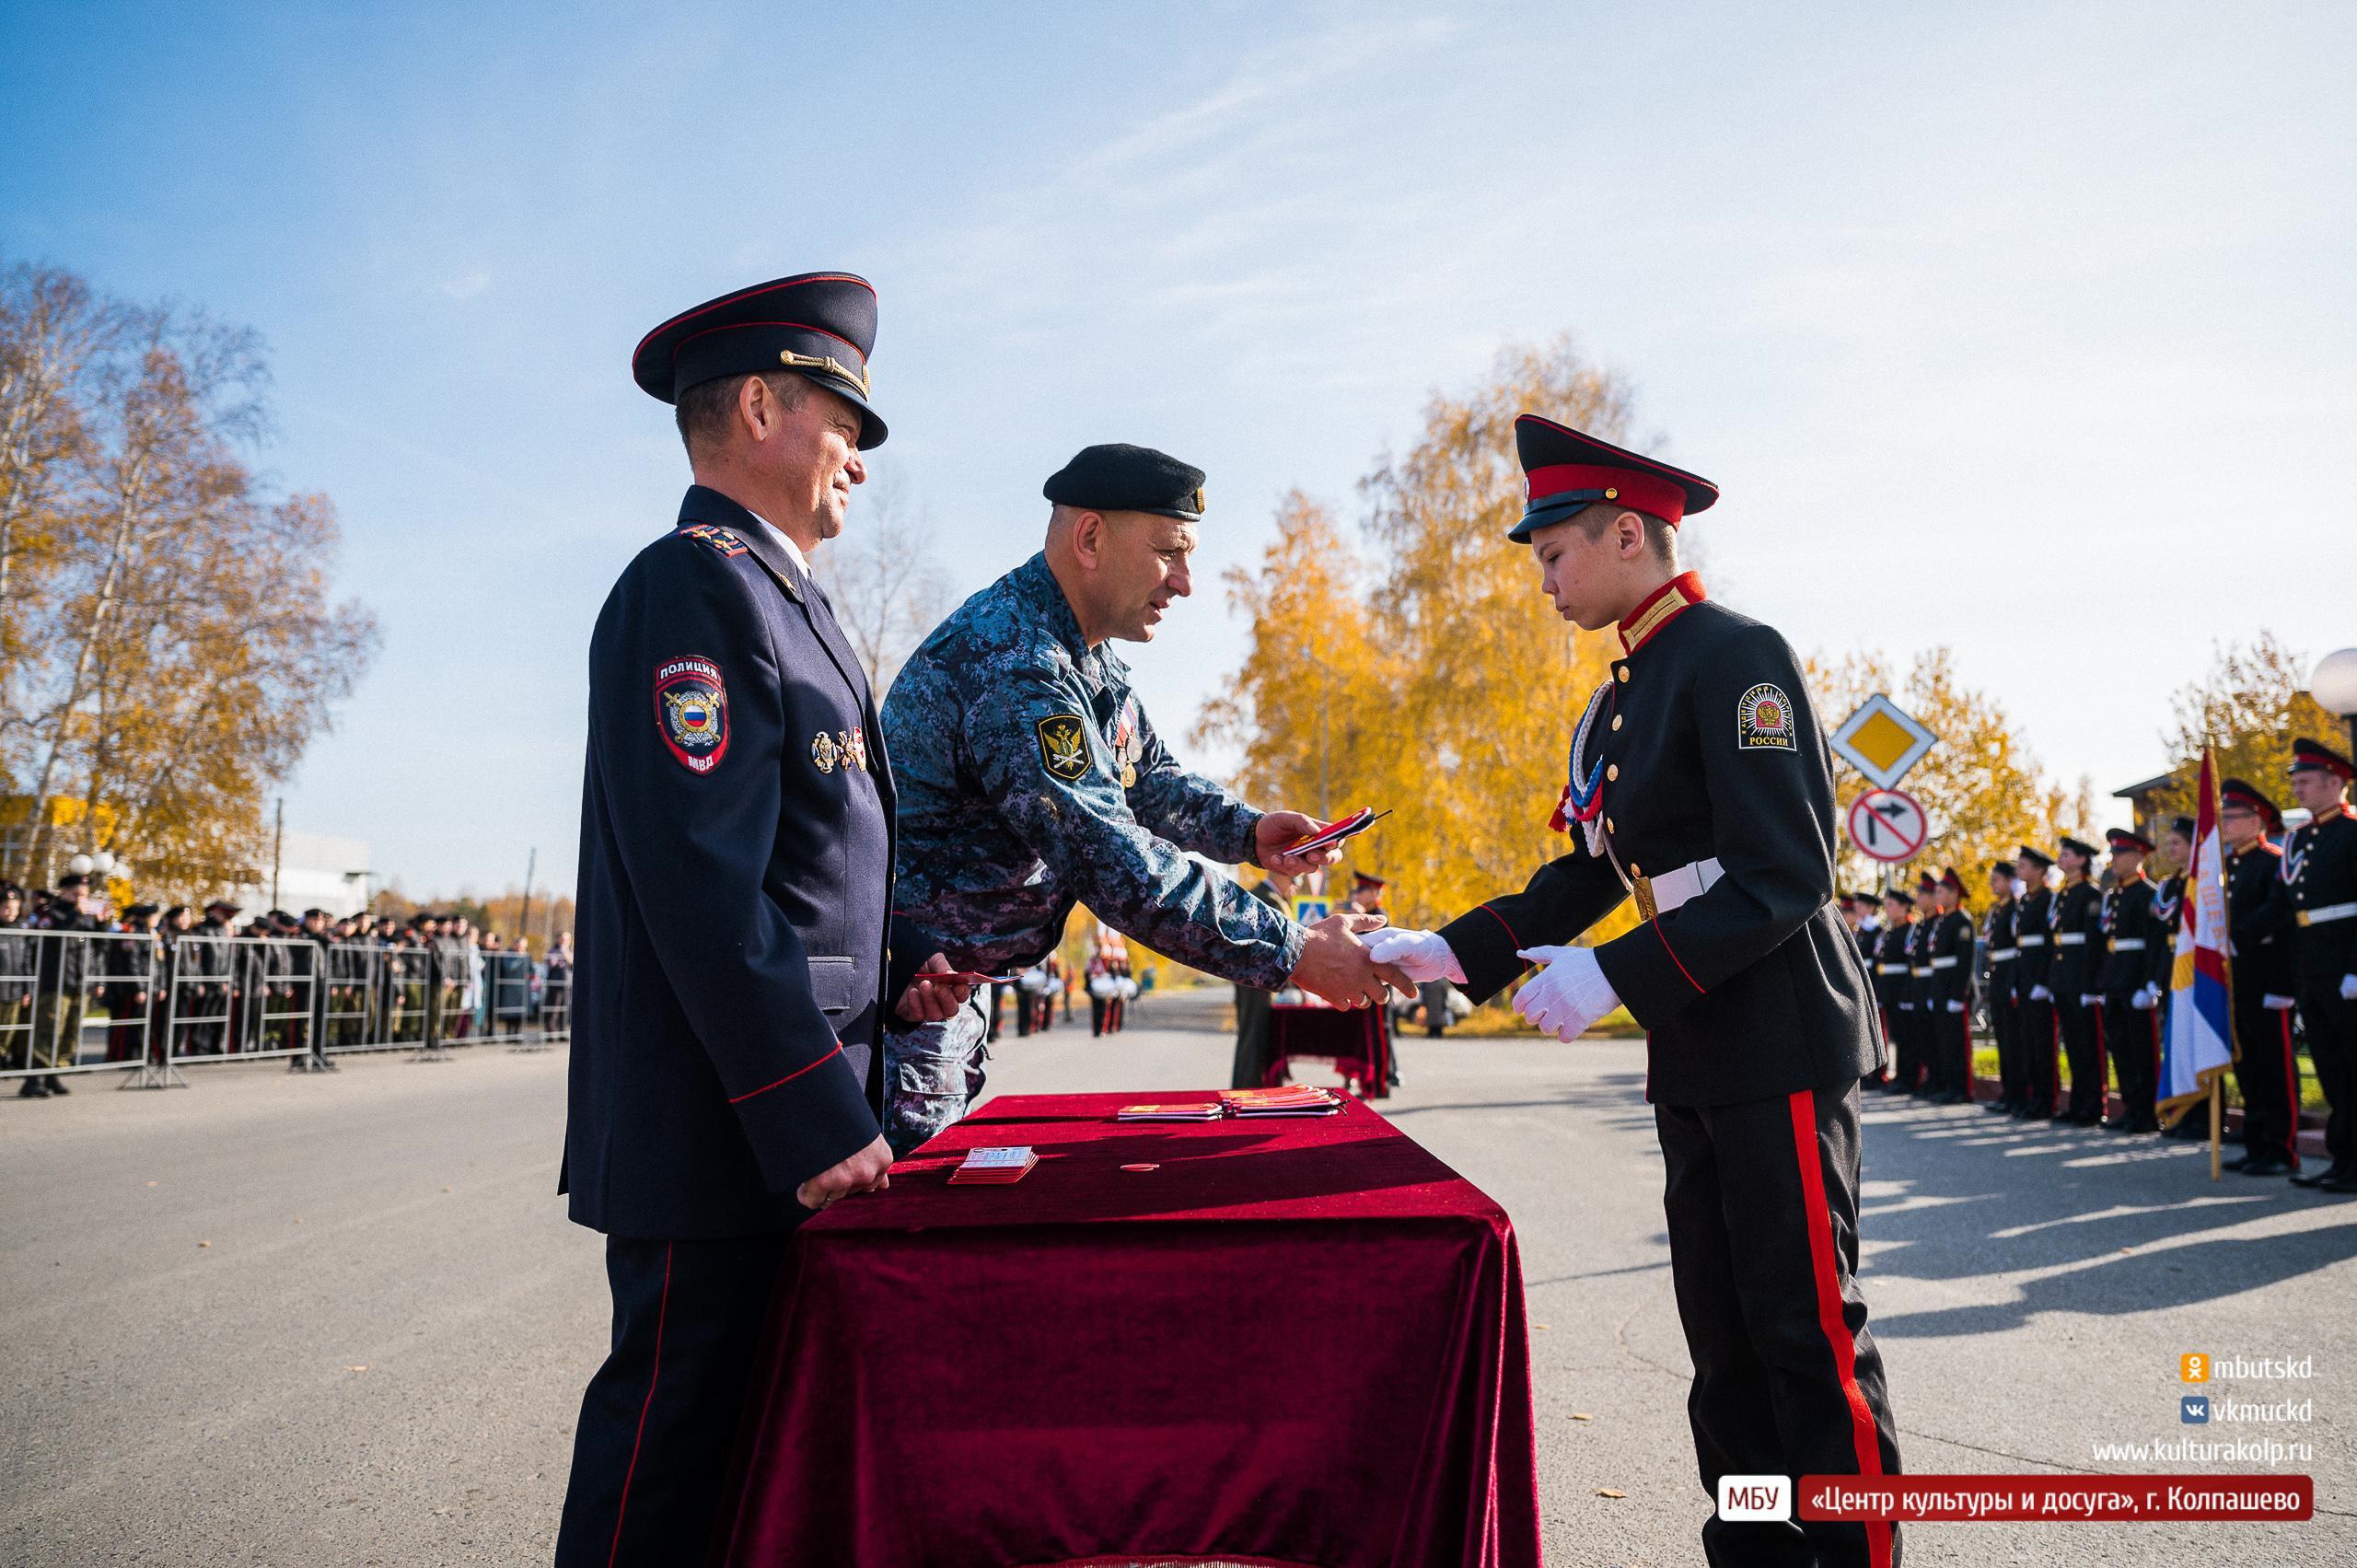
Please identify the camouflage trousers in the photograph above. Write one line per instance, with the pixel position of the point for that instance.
(932, 1073)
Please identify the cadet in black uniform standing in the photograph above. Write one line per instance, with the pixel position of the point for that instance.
(736, 880)
(1997, 944)
(2037, 1037)
(1920, 1070)
(2320, 870)
(2076, 981)
(1891, 979)
(1701, 785)
(2131, 1028)
(1950, 1018)
(2258, 920)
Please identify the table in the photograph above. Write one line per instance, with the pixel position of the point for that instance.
(1291, 1343)
(1357, 1041)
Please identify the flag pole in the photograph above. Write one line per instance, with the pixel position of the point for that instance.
(2217, 1118)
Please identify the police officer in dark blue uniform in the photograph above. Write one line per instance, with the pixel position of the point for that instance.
(1701, 786)
(736, 952)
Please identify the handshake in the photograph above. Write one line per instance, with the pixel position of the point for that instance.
(1562, 1000)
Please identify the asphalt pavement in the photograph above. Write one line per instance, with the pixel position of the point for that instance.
(290, 1319)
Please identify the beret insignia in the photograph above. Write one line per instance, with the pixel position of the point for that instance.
(691, 711)
(1063, 746)
(1763, 719)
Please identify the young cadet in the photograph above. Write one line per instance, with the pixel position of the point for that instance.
(2077, 975)
(1700, 785)
(2169, 907)
(1922, 1074)
(736, 885)
(1950, 1018)
(1997, 942)
(2132, 1000)
(2037, 1037)
(2258, 921)
(2320, 870)
(1890, 979)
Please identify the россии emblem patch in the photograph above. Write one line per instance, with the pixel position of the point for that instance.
(1063, 746)
(1763, 719)
(691, 711)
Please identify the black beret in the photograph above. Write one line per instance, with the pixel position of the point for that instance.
(2005, 865)
(1118, 477)
(136, 911)
(2183, 825)
(819, 325)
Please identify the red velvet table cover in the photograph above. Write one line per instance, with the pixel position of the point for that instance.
(1357, 1041)
(1295, 1343)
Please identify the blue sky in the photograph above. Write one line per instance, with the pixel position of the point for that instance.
(2020, 328)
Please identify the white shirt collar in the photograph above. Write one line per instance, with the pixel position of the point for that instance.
(792, 549)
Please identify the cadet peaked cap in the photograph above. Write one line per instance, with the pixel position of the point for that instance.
(1926, 883)
(2038, 857)
(2309, 756)
(2242, 793)
(1950, 880)
(1118, 477)
(2120, 839)
(1564, 472)
(2079, 846)
(1900, 896)
(819, 325)
(1361, 879)
(2183, 825)
(2005, 865)
(137, 911)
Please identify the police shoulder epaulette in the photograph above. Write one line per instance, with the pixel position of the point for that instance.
(717, 539)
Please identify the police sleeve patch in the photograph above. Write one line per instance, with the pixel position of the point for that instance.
(691, 711)
(1763, 719)
(1063, 746)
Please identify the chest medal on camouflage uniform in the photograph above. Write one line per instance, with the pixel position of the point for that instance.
(1763, 719)
(691, 711)
(1126, 749)
(1063, 746)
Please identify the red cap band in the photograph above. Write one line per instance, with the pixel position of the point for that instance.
(1640, 492)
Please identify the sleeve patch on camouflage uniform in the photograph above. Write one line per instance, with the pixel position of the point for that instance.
(1063, 746)
(1763, 719)
(691, 711)
(717, 539)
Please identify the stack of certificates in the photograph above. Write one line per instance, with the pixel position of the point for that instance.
(996, 1166)
(1291, 1100)
(1189, 1111)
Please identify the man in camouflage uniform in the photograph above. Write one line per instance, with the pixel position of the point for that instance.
(1029, 780)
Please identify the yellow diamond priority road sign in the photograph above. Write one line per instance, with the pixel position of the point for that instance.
(1882, 741)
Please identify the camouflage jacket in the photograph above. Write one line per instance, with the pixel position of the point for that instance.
(1029, 780)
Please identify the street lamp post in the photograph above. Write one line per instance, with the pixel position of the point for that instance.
(2334, 686)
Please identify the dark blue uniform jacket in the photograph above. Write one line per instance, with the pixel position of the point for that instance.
(735, 884)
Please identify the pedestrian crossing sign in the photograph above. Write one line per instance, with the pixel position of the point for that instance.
(1882, 741)
(1310, 910)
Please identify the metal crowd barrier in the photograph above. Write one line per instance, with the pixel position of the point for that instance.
(94, 1002)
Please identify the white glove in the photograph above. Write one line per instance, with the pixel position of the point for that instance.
(1422, 956)
(2275, 1004)
(2349, 988)
(2146, 999)
(1568, 996)
(2091, 999)
(2039, 993)
(1956, 1007)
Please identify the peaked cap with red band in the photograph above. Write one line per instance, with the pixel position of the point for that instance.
(821, 326)
(2243, 793)
(1564, 472)
(2121, 837)
(2311, 756)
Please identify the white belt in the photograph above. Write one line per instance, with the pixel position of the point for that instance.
(2327, 914)
(2031, 941)
(1890, 969)
(1946, 963)
(2070, 938)
(2128, 944)
(1920, 972)
(1690, 881)
(2002, 955)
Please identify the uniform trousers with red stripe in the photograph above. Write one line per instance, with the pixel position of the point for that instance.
(2038, 1041)
(650, 1456)
(2269, 1076)
(1762, 1203)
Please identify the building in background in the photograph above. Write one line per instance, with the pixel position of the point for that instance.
(313, 872)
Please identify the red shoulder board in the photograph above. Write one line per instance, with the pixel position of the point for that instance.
(717, 539)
